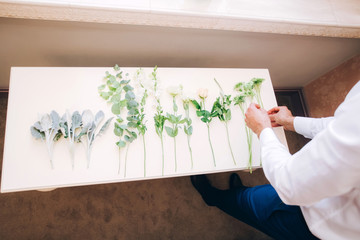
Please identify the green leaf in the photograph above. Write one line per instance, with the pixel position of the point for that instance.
(115, 98)
(205, 120)
(115, 109)
(124, 82)
(133, 111)
(134, 135)
(118, 131)
(132, 124)
(121, 144)
(101, 87)
(182, 121)
(112, 78)
(116, 68)
(189, 130)
(104, 95)
(196, 104)
(57, 136)
(228, 115)
(129, 95)
(123, 103)
(176, 131)
(169, 131)
(200, 113)
(128, 88)
(132, 104)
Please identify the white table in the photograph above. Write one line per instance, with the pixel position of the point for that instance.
(36, 91)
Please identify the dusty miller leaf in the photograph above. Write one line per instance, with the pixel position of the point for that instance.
(36, 133)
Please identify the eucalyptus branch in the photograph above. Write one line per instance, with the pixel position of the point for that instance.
(119, 93)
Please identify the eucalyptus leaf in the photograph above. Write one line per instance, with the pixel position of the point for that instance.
(121, 144)
(115, 109)
(129, 95)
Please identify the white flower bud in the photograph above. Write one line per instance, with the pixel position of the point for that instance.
(203, 93)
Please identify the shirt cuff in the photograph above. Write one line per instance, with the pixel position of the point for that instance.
(302, 125)
(267, 135)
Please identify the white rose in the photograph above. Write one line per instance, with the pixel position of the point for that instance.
(174, 90)
(203, 93)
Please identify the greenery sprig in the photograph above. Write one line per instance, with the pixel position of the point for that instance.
(204, 115)
(188, 129)
(174, 118)
(245, 95)
(159, 117)
(257, 82)
(221, 109)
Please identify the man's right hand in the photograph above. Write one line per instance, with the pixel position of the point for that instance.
(281, 117)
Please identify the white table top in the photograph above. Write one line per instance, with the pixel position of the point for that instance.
(35, 91)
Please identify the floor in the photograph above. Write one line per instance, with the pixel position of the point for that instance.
(156, 209)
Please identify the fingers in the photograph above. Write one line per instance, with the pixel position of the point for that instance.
(273, 110)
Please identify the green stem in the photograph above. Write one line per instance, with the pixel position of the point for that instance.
(191, 157)
(162, 151)
(127, 149)
(250, 150)
(119, 160)
(212, 150)
(143, 137)
(228, 139)
(175, 153)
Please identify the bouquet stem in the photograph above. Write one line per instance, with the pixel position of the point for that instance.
(212, 150)
(228, 139)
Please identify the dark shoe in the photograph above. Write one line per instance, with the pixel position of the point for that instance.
(203, 186)
(235, 181)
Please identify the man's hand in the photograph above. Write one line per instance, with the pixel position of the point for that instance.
(281, 116)
(256, 118)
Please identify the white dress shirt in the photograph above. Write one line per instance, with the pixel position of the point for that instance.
(323, 178)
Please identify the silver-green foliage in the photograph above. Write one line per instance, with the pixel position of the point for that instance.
(90, 129)
(48, 130)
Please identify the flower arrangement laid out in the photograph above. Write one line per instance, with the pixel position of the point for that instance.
(204, 115)
(221, 109)
(48, 129)
(119, 93)
(174, 119)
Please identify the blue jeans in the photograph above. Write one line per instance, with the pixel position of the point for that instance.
(261, 208)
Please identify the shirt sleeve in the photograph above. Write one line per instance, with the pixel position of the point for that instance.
(309, 127)
(329, 165)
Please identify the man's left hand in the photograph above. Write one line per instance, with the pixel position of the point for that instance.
(257, 118)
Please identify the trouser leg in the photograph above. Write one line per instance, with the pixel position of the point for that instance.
(261, 208)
